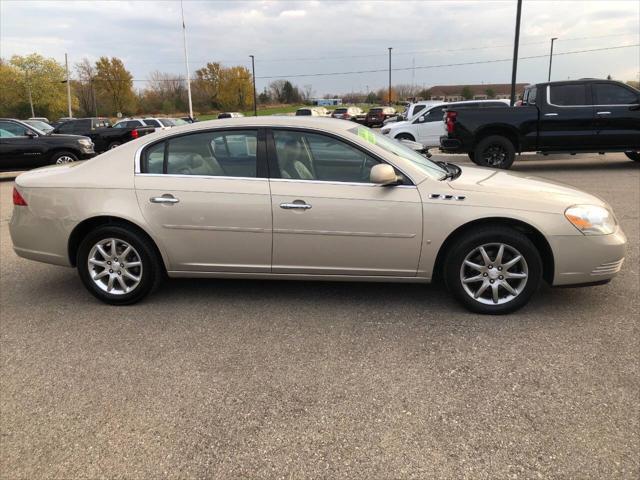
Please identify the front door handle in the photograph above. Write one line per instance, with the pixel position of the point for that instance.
(295, 206)
(603, 113)
(166, 198)
(550, 114)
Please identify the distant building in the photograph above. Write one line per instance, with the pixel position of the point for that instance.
(453, 93)
(326, 102)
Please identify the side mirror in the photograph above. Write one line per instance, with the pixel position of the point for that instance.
(421, 119)
(30, 133)
(383, 174)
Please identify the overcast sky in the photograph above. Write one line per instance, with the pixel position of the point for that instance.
(309, 37)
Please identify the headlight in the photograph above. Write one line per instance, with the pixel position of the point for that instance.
(591, 219)
(385, 131)
(85, 142)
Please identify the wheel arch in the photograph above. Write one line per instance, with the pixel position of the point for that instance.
(532, 233)
(62, 148)
(83, 228)
(404, 131)
(502, 130)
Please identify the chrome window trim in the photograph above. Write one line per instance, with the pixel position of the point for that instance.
(177, 175)
(334, 182)
(586, 106)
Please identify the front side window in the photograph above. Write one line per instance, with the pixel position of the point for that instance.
(569, 95)
(10, 129)
(609, 94)
(310, 156)
(533, 93)
(216, 154)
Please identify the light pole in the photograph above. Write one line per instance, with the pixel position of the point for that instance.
(66, 66)
(551, 57)
(515, 55)
(29, 91)
(390, 48)
(186, 62)
(253, 76)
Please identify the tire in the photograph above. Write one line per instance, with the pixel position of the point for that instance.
(149, 274)
(495, 151)
(60, 158)
(113, 145)
(635, 156)
(405, 136)
(468, 248)
(472, 157)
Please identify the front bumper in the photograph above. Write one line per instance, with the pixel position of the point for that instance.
(587, 259)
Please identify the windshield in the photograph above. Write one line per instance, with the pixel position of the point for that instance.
(179, 121)
(395, 147)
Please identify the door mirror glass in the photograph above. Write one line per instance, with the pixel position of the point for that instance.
(383, 174)
(30, 133)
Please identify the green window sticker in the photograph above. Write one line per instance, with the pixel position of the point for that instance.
(367, 134)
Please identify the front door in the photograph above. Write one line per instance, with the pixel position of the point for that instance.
(431, 128)
(17, 149)
(328, 219)
(206, 197)
(617, 116)
(568, 118)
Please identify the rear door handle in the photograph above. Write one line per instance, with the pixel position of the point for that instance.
(166, 198)
(603, 113)
(550, 114)
(295, 206)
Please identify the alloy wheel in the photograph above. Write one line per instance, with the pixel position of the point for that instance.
(494, 273)
(62, 159)
(494, 155)
(115, 266)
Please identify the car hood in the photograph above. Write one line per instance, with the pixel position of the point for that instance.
(521, 191)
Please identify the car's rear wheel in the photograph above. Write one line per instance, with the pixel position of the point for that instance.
(472, 157)
(494, 270)
(405, 136)
(495, 151)
(635, 156)
(113, 145)
(117, 265)
(60, 158)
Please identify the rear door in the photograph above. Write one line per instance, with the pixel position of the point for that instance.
(567, 121)
(328, 219)
(617, 112)
(206, 197)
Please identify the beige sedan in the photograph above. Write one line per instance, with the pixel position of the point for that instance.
(308, 199)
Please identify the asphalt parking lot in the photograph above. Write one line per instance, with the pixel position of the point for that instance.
(251, 379)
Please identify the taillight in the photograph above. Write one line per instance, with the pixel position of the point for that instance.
(346, 116)
(135, 134)
(17, 198)
(450, 120)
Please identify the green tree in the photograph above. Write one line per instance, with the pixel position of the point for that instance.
(205, 87)
(42, 77)
(114, 86)
(490, 93)
(467, 93)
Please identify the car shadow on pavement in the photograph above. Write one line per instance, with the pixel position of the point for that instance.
(541, 165)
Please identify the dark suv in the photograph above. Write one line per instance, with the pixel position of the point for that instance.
(23, 146)
(377, 115)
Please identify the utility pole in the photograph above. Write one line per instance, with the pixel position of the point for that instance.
(551, 57)
(515, 55)
(66, 66)
(186, 61)
(93, 94)
(390, 48)
(253, 75)
(33, 114)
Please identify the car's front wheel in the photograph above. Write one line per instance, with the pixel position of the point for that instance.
(405, 136)
(118, 265)
(60, 158)
(635, 156)
(113, 145)
(494, 270)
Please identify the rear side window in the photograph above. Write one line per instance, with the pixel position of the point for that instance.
(609, 94)
(215, 154)
(568, 95)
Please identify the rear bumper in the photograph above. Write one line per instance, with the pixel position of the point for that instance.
(450, 144)
(587, 259)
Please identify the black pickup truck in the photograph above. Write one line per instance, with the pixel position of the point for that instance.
(23, 147)
(100, 131)
(577, 116)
